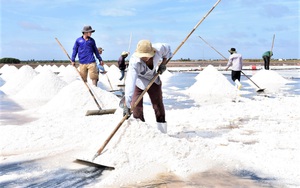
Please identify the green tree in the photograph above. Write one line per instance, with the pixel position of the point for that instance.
(9, 60)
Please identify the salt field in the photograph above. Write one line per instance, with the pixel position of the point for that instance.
(217, 134)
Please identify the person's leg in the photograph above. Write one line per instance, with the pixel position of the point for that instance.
(122, 74)
(83, 71)
(268, 63)
(238, 75)
(138, 110)
(265, 58)
(155, 94)
(93, 72)
(233, 75)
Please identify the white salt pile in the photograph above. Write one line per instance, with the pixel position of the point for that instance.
(69, 74)
(269, 80)
(61, 68)
(39, 68)
(7, 72)
(106, 67)
(114, 74)
(20, 79)
(42, 88)
(165, 76)
(212, 87)
(54, 68)
(76, 98)
(110, 80)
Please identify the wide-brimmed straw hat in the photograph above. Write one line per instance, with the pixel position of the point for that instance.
(144, 49)
(232, 50)
(124, 53)
(87, 28)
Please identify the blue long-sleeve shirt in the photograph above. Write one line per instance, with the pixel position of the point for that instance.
(85, 50)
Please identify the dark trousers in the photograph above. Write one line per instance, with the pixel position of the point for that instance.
(235, 75)
(266, 62)
(155, 94)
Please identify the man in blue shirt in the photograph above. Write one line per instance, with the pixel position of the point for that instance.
(85, 47)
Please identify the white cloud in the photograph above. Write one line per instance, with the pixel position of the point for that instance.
(117, 12)
(33, 26)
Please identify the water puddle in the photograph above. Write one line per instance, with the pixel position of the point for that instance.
(8, 112)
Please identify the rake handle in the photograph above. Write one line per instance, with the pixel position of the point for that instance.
(150, 84)
(79, 75)
(227, 60)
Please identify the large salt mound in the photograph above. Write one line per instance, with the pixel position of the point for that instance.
(43, 87)
(8, 71)
(76, 98)
(61, 68)
(69, 74)
(21, 78)
(269, 80)
(125, 152)
(211, 87)
(111, 79)
(39, 68)
(54, 68)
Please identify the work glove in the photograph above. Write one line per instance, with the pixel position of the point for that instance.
(161, 68)
(127, 111)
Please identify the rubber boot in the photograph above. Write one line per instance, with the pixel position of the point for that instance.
(238, 84)
(162, 127)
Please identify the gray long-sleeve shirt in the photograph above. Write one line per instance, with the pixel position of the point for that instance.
(139, 74)
(236, 61)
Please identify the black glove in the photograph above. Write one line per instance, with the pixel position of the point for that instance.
(127, 111)
(161, 68)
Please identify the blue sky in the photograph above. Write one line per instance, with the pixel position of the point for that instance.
(29, 27)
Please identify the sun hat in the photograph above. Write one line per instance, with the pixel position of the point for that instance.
(100, 49)
(144, 49)
(232, 50)
(124, 53)
(87, 28)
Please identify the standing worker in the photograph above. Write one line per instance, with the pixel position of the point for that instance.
(100, 65)
(142, 68)
(236, 61)
(121, 64)
(85, 47)
(266, 57)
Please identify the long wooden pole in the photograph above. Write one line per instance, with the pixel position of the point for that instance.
(150, 84)
(271, 52)
(79, 75)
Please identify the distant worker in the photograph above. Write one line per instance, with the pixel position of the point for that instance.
(121, 64)
(236, 61)
(85, 47)
(266, 57)
(100, 65)
(142, 68)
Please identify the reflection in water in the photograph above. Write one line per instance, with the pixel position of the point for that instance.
(8, 107)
